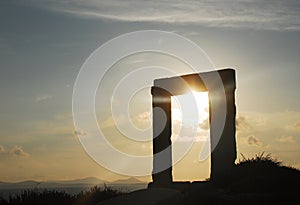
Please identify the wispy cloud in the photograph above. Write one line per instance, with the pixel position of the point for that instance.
(2, 150)
(294, 126)
(242, 124)
(80, 133)
(286, 139)
(204, 124)
(144, 117)
(43, 98)
(16, 151)
(257, 14)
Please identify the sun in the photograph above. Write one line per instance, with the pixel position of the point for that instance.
(190, 108)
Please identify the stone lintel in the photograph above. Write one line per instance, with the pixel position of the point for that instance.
(182, 84)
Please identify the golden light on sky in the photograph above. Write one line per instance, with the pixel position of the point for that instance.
(43, 47)
(190, 122)
(194, 104)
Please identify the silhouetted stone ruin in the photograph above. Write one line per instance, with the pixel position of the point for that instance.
(223, 155)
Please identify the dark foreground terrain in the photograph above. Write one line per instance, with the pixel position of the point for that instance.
(259, 180)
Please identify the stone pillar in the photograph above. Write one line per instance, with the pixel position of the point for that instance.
(224, 154)
(161, 103)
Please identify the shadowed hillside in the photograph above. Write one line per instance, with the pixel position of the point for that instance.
(258, 180)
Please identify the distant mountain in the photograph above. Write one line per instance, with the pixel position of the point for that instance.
(22, 185)
(130, 180)
(30, 184)
(88, 180)
(84, 182)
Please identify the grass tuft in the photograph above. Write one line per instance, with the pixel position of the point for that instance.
(260, 158)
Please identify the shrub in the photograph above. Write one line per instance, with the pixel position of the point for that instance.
(96, 194)
(35, 196)
(47, 197)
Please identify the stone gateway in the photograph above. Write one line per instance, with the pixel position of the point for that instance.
(223, 144)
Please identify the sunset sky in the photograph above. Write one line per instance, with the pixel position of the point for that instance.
(44, 43)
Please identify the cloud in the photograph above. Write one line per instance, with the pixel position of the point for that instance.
(204, 124)
(252, 140)
(111, 121)
(43, 98)
(293, 127)
(143, 117)
(2, 150)
(257, 14)
(122, 120)
(190, 138)
(80, 133)
(286, 139)
(242, 124)
(16, 151)
(186, 133)
(297, 125)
